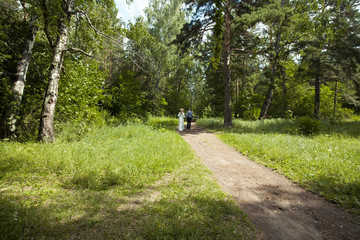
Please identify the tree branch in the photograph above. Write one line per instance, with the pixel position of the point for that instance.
(97, 31)
(81, 51)
(46, 22)
(136, 63)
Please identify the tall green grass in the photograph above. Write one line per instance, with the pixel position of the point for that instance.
(286, 126)
(125, 182)
(327, 163)
(163, 123)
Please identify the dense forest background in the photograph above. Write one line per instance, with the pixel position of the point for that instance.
(74, 63)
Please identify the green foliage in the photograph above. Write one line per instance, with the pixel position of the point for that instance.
(307, 125)
(146, 75)
(127, 99)
(127, 182)
(252, 114)
(6, 98)
(247, 104)
(12, 28)
(213, 102)
(79, 96)
(79, 91)
(208, 112)
(218, 32)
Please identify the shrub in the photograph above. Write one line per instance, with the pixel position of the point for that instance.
(252, 114)
(307, 125)
(208, 112)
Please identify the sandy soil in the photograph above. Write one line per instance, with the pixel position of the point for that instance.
(275, 205)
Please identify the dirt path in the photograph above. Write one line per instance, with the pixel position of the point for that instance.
(275, 205)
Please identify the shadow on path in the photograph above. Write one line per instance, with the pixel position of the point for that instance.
(195, 130)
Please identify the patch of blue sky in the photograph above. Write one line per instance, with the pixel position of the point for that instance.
(129, 12)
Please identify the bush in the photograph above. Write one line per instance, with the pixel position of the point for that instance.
(252, 114)
(208, 112)
(307, 125)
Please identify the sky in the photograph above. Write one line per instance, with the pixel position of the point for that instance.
(129, 12)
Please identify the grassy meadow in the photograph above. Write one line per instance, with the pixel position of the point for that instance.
(139, 181)
(327, 163)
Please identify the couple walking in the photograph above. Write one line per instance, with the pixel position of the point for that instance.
(182, 116)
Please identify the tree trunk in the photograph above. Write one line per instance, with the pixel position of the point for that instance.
(110, 67)
(179, 87)
(356, 83)
(227, 71)
(243, 74)
(335, 97)
(268, 98)
(270, 92)
(21, 70)
(284, 91)
(46, 131)
(236, 89)
(317, 97)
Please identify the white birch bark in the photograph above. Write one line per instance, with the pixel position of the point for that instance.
(21, 70)
(46, 131)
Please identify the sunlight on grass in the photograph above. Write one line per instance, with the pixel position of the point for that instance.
(126, 182)
(327, 163)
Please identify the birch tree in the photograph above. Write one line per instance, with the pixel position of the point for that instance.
(46, 131)
(21, 70)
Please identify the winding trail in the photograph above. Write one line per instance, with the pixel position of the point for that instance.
(275, 205)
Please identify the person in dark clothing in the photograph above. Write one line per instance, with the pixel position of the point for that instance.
(189, 116)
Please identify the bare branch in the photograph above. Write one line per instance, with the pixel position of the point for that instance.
(97, 31)
(4, 72)
(45, 11)
(241, 50)
(207, 27)
(141, 57)
(81, 51)
(136, 63)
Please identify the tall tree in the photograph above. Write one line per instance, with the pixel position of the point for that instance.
(16, 49)
(218, 16)
(317, 43)
(46, 131)
(227, 70)
(277, 21)
(345, 52)
(157, 65)
(66, 10)
(21, 70)
(164, 19)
